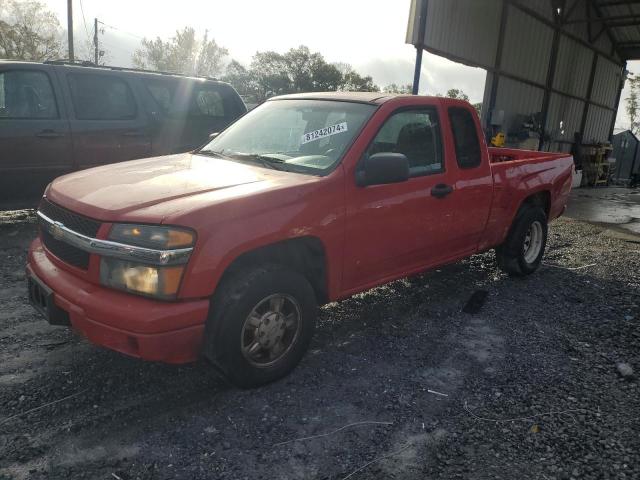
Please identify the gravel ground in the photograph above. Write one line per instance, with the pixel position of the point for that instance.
(528, 387)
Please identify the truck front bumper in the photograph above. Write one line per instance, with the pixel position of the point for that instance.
(170, 332)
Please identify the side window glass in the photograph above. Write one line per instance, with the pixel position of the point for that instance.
(26, 94)
(208, 103)
(101, 97)
(416, 134)
(162, 93)
(465, 138)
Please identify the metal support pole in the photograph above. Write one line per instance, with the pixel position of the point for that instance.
(424, 5)
(617, 105)
(95, 40)
(70, 28)
(416, 73)
(551, 73)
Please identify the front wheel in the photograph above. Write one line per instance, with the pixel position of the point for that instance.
(261, 322)
(522, 251)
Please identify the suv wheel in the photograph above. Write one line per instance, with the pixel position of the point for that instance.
(260, 324)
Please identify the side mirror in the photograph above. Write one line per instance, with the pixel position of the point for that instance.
(382, 168)
(213, 135)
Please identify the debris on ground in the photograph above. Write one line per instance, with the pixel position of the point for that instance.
(533, 366)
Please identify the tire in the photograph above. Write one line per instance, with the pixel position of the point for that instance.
(522, 251)
(248, 335)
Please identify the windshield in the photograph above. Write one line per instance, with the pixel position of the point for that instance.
(307, 136)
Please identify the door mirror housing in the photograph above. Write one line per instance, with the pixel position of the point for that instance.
(382, 168)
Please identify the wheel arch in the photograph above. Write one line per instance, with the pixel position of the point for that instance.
(305, 255)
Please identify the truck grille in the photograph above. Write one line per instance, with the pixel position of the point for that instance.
(65, 252)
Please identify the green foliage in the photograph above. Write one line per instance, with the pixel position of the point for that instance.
(297, 70)
(633, 103)
(183, 53)
(403, 89)
(28, 31)
(457, 94)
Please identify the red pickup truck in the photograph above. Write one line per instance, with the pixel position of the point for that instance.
(227, 251)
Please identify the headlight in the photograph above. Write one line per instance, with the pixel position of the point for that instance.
(160, 282)
(148, 271)
(152, 236)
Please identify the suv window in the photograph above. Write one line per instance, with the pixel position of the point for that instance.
(26, 94)
(465, 137)
(209, 103)
(416, 134)
(101, 97)
(193, 98)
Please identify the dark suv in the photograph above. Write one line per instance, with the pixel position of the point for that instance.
(58, 117)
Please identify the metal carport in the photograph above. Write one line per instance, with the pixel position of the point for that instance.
(562, 60)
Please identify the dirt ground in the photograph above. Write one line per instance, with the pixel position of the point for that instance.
(528, 387)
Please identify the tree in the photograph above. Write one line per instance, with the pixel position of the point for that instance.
(352, 81)
(28, 31)
(478, 107)
(183, 53)
(633, 103)
(241, 78)
(457, 94)
(403, 89)
(269, 71)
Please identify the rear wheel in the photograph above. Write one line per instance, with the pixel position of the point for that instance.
(261, 322)
(522, 251)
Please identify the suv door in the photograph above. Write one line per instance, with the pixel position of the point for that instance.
(396, 228)
(107, 124)
(35, 144)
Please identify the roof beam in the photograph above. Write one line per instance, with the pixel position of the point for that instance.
(605, 19)
(615, 3)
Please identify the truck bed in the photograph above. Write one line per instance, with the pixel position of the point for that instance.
(501, 155)
(517, 174)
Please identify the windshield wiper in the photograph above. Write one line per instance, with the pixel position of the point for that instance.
(265, 159)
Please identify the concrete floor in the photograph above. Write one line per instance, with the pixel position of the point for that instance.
(616, 207)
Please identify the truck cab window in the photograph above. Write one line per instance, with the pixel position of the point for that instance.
(416, 134)
(101, 97)
(465, 137)
(26, 94)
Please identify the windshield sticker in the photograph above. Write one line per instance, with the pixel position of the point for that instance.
(324, 132)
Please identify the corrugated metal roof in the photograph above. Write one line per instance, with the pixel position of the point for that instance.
(564, 118)
(606, 82)
(476, 36)
(598, 124)
(517, 98)
(572, 69)
(527, 46)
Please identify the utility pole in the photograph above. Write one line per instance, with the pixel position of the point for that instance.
(95, 40)
(70, 28)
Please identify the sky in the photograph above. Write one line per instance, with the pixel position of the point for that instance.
(368, 34)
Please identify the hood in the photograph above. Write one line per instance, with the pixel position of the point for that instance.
(106, 192)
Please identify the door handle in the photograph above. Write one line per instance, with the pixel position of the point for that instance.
(441, 190)
(49, 134)
(133, 133)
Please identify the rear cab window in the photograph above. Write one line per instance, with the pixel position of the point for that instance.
(465, 138)
(101, 97)
(27, 94)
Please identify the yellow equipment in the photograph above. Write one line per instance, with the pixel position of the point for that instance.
(498, 140)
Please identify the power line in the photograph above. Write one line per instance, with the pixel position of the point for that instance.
(86, 30)
(120, 30)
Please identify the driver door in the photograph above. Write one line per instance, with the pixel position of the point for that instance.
(397, 228)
